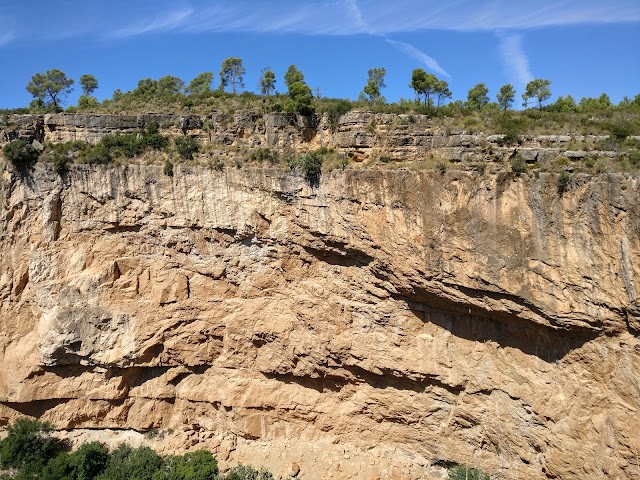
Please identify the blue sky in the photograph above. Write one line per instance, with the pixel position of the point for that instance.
(585, 47)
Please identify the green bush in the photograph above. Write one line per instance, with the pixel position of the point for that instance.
(263, 154)
(34, 454)
(86, 463)
(29, 446)
(63, 154)
(128, 145)
(98, 154)
(127, 463)
(20, 153)
(311, 167)
(244, 472)
(518, 164)
(619, 131)
(198, 465)
(634, 157)
(186, 147)
(462, 472)
(168, 168)
(563, 182)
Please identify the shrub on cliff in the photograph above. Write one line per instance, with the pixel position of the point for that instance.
(310, 165)
(20, 153)
(244, 472)
(264, 154)
(128, 145)
(186, 147)
(518, 164)
(462, 472)
(62, 154)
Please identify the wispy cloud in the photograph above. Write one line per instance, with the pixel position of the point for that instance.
(161, 23)
(514, 59)
(6, 38)
(474, 15)
(406, 48)
(346, 17)
(419, 55)
(358, 18)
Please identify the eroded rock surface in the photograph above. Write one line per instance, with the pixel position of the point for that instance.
(382, 325)
(358, 135)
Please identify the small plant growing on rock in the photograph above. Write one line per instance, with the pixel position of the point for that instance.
(518, 164)
(244, 472)
(563, 183)
(168, 168)
(463, 472)
(264, 155)
(186, 147)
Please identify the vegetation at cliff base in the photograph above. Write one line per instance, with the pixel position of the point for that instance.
(462, 472)
(30, 452)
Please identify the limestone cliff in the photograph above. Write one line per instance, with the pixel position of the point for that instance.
(385, 324)
(358, 135)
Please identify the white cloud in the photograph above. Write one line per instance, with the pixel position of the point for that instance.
(474, 15)
(162, 23)
(514, 59)
(6, 38)
(419, 55)
(346, 17)
(357, 16)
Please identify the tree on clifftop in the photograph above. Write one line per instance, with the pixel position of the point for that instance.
(51, 87)
(232, 74)
(267, 81)
(477, 96)
(425, 84)
(538, 89)
(200, 85)
(293, 75)
(89, 84)
(375, 83)
(506, 96)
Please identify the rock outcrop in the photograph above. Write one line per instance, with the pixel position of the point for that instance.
(385, 324)
(358, 135)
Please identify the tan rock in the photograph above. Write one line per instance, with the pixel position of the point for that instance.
(387, 321)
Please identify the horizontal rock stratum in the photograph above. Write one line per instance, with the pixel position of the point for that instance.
(357, 134)
(385, 324)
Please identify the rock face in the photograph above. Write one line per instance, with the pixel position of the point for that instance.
(383, 325)
(358, 135)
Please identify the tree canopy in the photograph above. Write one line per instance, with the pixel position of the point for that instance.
(293, 75)
(425, 84)
(537, 89)
(267, 81)
(375, 82)
(89, 84)
(505, 96)
(232, 74)
(478, 96)
(50, 88)
(200, 85)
